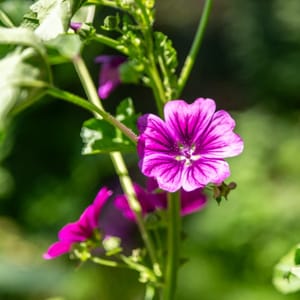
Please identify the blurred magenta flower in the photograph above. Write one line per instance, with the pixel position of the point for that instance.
(81, 230)
(109, 76)
(187, 150)
(152, 199)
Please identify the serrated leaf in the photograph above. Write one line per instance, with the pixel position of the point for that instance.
(53, 17)
(286, 276)
(99, 136)
(126, 114)
(67, 45)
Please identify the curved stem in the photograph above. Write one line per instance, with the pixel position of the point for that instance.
(109, 42)
(118, 163)
(190, 59)
(64, 95)
(173, 245)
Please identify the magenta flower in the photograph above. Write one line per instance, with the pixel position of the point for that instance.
(152, 199)
(81, 230)
(187, 150)
(109, 76)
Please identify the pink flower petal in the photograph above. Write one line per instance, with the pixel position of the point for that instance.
(57, 249)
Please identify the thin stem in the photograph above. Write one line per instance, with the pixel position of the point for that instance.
(6, 20)
(57, 93)
(190, 59)
(118, 163)
(106, 262)
(109, 42)
(173, 244)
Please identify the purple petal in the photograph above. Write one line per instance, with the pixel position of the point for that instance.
(192, 201)
(75, 232)
(148, 201)
(57, 249)
(109, 77)
(220, 141)
(99, 202)
(204, 171)
(187, 121)
(83, 228)
(165, 169)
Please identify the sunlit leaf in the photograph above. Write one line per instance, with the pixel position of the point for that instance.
(68, 45)
(49, 17)
(287, 273)
(19, 80)
(100, 137)
(21, 36)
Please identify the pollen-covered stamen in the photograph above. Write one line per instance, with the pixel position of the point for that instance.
(187, 154)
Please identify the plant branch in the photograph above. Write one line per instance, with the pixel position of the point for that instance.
(191, 57)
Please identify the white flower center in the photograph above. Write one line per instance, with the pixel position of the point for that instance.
(187, 154)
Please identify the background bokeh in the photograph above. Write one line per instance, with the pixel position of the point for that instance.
(249, 63)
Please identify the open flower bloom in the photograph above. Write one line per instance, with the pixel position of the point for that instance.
(151, 199)
(81, 230)
(187, 150)
(109, 76)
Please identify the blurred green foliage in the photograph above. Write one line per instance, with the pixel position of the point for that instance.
(249, 63)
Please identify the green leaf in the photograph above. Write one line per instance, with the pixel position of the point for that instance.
(100, 137)
(126, 114)
(19, 81)
(49, 18)
(67, 45)
(286, 276)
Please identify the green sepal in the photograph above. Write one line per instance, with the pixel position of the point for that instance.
(111, 23)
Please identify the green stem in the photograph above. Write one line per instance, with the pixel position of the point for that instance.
(190, 59)
(151, 67)
(109, 42)
(57, 93)
(135, 206)
(173, 245)
(118, 163)
(106, 262)
(6, 20)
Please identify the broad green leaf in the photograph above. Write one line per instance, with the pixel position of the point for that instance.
(126, 114)
(100, 137)
(49, 17)
(68, 45)
(23, 37)
(287, 273)
(19, 81)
